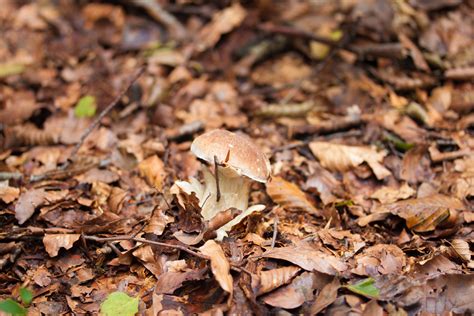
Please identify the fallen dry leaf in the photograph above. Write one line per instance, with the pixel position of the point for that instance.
(391, 195)
(54, 242)
(223, 22)
(294, 294)
(27, 203)
(220, 266)
(326, 297)
(153, 170)
(267, 281)
(341, 158)
(325, 184)
(308, 258)
(8, 194)
(169, 282)
(380, 259)
(289, 196)
(427, 213)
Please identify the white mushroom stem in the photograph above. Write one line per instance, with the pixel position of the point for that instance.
(234, 191)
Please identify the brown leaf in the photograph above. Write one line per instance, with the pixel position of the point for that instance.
(289, 196)
(8, 194)
(153, 170)
(326, 297)
(157, 223)
(450, 293)
(95, 174)
(223, 22)
(416, 165)
(168, 282)
(391, 195)
(54, 242)
(427, 213)
(341, 158)
(461, 249)
(325, 183)
(380, 259)
(293, 295)
(147, 257)
(308, 258)
(220, 266)
(269, 280)
(28, 201)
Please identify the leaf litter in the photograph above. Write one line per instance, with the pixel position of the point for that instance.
(369, 133)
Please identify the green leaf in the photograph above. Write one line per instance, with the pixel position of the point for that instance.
(86, 106)
(399, 143)
(26, 296)
(365, 287)
(10, 69)
(119, 304)
(9, 306)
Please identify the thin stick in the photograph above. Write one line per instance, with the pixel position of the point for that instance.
(216, 171)
(275, 232)
(146, 241)
(100, 117)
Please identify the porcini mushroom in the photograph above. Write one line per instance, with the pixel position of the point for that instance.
(237, 161)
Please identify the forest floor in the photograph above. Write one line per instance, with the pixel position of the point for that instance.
(363, 108)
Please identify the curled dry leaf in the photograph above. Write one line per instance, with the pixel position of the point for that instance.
(427, 213)
(461, 249)
(341, 158)
(289, 196)
(307, 257)
(391, 195)
(293, 295)
(220, 266)
(269, 280)
(54, 242)
(153, 170)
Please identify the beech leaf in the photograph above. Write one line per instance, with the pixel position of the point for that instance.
(54, 242)
(366, 288)
(119, 304)
(289, 196)
(220, 266)
(337, 157)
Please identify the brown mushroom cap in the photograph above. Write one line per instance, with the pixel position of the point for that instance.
(243, 156)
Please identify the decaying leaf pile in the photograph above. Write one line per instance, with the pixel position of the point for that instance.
(364, 108)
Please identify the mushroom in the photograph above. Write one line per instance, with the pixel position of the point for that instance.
(236, 161)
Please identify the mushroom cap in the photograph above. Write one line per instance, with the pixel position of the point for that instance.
(235, 151)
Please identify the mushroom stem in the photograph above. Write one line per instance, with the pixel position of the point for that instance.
(233, 189)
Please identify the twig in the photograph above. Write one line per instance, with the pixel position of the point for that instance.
(275, 232)
(146, 241)
(100, 117)
(216, 171)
